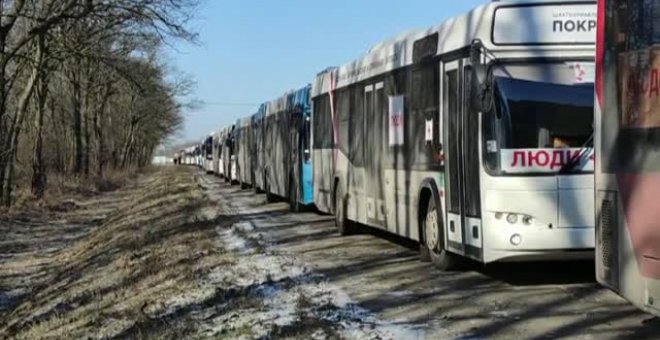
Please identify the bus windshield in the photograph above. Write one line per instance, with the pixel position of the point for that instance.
(538, 127)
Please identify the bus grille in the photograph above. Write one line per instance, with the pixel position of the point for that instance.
(607, 240)
(607, 223)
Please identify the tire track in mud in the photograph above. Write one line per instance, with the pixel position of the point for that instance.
(284, 297)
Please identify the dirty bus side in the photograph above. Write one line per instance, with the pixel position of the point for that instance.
(473, 137)
(628, 141)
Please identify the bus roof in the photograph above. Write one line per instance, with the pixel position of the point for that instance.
(498, 24)
(289, 100)
(244, 122)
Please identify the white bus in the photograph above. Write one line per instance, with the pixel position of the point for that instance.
(471, 137)
(207, 154)
(627, 150)
(224, 153)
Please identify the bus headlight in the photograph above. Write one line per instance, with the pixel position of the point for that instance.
(512, 218)
(528, 220)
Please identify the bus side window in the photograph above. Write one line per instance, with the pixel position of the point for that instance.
(424, 106)
(306, 145)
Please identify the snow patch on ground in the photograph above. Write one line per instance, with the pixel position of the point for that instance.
(277, 296)
(288, 297)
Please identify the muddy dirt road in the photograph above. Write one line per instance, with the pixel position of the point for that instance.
(181, 254)
(382, 274)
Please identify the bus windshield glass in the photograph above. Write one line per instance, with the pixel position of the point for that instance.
(538, 126)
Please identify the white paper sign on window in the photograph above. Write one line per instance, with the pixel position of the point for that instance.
(584, 72)
(396, 118)
(429, 130)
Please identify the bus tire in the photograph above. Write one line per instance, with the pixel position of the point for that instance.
(270, 198)
(255, 186)
(424, 253)
(434, 243)
(293, 197)
(344, 226)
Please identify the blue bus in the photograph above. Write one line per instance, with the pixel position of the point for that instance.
(287, 149)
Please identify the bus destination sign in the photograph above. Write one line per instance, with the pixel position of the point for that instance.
(545, 24)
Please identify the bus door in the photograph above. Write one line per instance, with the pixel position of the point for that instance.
(307, 192)
(462, 184)
(374, 113)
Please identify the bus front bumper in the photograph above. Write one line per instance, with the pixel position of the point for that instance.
(520, 243)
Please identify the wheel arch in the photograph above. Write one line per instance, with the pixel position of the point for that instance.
(428, 189)
(335, 187)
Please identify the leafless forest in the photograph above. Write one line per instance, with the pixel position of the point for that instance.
(84, 90)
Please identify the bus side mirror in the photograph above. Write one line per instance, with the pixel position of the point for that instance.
(478, 88)
(478, 78)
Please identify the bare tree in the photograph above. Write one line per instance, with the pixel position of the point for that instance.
(89, 70)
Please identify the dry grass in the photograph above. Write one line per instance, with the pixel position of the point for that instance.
(127, 274)
(61, 186)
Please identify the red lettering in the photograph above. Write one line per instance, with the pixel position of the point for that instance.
(654, 84)
(645, 84)
(537, 158)
(557, 159)
(397, 120)
(518, 157)
(573, 157)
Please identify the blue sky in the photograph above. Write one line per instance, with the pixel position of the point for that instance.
(252, 51)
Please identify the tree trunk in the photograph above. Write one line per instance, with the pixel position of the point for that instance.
(130, 137)
(77, 121)
(15, 128)
(98, 131)
(59, 128)
(86, 143)
(4, 154)
(39, 178)
(86, 115)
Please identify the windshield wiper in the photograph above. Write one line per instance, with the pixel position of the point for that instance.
(576, 158)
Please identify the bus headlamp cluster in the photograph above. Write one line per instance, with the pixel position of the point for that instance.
(513, 218)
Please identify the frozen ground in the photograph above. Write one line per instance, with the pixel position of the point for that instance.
(287, 298)
(180, 254)
(382, 277)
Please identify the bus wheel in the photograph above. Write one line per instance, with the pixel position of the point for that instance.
(293, 197)
(255, 186)
(270, 198)
(344, 226)
(441, 258)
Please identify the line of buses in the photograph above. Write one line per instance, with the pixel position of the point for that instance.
(476, 138)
